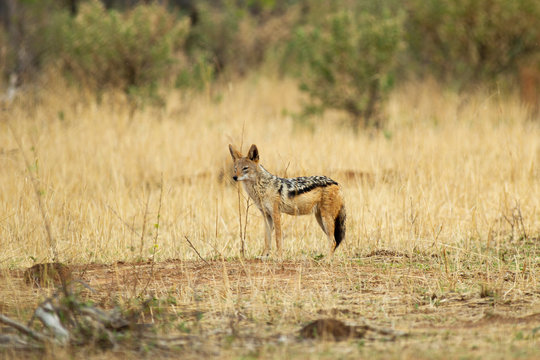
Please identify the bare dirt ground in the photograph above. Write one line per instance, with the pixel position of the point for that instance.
(256, 309)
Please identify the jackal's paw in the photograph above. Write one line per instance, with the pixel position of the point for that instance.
(329, 258)
(323, 259)
(265, 255)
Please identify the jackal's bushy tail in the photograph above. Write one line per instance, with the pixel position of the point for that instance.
(339, 226)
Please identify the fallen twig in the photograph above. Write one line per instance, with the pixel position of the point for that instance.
(383, 331)
(123, 221)
(193, 247)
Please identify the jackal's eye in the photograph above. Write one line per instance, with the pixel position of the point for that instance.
(245, 168)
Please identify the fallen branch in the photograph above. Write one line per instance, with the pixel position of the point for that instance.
(68, 321)
(46, 313)
(14, 342)
(383, 331)
(24, 329)
(111, 320)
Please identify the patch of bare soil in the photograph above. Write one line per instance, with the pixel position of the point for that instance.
(221, 308)
(495, 319)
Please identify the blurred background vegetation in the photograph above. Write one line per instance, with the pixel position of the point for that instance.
(347, 55)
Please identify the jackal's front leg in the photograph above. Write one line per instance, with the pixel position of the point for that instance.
(276, 216)
(269, 226)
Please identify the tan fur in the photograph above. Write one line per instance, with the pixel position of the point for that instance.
(271, 195)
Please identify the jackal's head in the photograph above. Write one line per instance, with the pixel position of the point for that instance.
(245, 167)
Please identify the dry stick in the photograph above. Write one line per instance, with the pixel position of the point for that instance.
(245, 227)
(23, 329)
(242, 137)
(157, 222)
(437, 236)
(242, 248)
(135, 283)
(144, 224)
(217, 212)
(133, 231)
(123, 221)
(194, 249)
(242, 251)
(154, 248)
(46, 222)
(216, 250)
(445, 261)
(520, 218)
(35, 184)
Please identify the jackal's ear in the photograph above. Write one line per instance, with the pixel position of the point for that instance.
(253, 153)
(234, 153)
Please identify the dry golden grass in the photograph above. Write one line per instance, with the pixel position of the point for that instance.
(445, 202)
(451, 172)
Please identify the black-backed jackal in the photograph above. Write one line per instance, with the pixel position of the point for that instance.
(296, 196)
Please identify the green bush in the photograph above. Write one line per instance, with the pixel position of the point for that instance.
(465, 41)
(5, 55)
(200, 73)
(215, 37)
(134, 50)
(236, 36)
(346, 51)
(22, 42)
(350, 60)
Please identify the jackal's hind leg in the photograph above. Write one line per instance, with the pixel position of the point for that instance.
(319, 219)
(329, 224)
